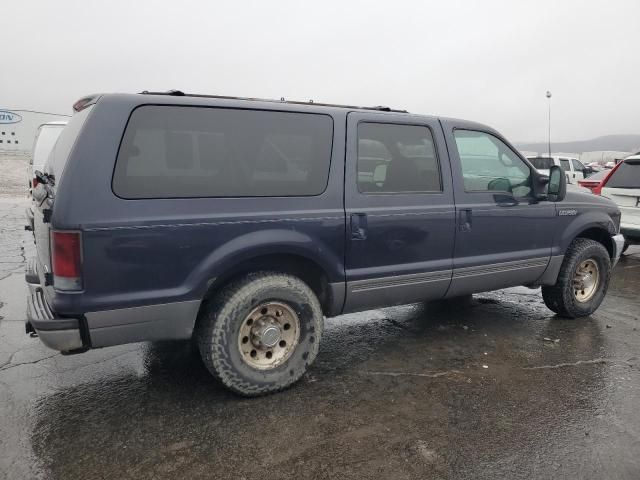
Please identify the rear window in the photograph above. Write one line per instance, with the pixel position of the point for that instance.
(62, 149)
(541, 163)
(171, 152)
(598, 175)
(45, 141)
(626, 175)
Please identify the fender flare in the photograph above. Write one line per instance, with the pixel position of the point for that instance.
(277, 241)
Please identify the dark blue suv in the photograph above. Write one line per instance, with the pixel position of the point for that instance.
(242, 223)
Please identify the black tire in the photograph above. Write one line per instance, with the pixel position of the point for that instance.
(561, 298)
(220, 321)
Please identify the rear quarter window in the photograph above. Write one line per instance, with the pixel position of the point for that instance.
(183, 152)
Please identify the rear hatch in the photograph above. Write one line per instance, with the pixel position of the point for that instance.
(623, 187)
(44, 194)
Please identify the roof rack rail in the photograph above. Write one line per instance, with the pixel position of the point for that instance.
(179, 93)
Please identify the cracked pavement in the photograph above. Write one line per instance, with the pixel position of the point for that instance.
(495, 387)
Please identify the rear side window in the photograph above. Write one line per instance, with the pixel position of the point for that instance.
(564, 163)
(174, 151)
(395, 158)
(626, 175)
(58, 157)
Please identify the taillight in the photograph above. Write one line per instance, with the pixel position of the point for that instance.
(66, 260)
(34, 182)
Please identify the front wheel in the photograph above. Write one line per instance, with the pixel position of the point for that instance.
(582, 282)
(260, 333)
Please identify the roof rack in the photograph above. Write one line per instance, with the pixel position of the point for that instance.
(178, 93)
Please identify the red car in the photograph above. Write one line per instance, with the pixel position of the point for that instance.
(596, 181)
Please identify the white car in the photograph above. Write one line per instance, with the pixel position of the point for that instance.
(46, 138)
(623, 187)
(573, 167)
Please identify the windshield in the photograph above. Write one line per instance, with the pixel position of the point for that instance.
(542, 163)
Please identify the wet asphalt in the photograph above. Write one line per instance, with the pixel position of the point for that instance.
(493, 387)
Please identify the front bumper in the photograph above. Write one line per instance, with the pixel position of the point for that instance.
(631, 232)
(62, 334)
(618, 244)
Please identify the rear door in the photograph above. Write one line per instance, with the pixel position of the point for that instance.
(400, 210)
(504, 235)
(623, 187)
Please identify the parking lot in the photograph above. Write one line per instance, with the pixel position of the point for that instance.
(493, 387)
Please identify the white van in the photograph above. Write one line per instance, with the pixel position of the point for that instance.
(46, 138)
(573, 167)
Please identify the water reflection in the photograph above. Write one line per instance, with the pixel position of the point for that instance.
(166, 416)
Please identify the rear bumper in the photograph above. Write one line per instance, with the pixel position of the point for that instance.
(618, 243)
(62, 334)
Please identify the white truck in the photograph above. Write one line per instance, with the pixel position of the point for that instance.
(573, 168)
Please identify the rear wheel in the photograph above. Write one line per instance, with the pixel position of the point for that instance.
(582, 282)
(261, 333)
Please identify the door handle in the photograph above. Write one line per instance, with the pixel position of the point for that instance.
(358, 226)
(465, 220)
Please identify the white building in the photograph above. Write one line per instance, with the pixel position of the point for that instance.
(18, 129)
(603, 157)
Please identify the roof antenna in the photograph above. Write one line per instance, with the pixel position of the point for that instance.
(282, 99)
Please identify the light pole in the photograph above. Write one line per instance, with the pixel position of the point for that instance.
(549, 137)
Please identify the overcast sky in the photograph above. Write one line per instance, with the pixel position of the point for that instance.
(490, 61)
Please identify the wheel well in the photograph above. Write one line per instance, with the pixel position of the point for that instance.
(601, 236)
(306, 270)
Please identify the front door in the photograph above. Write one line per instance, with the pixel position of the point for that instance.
(504, 235)
(578, 169)
(400, 210)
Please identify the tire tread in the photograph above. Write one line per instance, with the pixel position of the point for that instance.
(214, 323)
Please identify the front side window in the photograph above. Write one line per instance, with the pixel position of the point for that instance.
(395, 158)
(176, 151)
(577, 166)
(489, 165)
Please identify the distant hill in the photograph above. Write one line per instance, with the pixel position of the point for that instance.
(623, 143)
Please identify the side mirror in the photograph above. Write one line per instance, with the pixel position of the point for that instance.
(557, 186)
